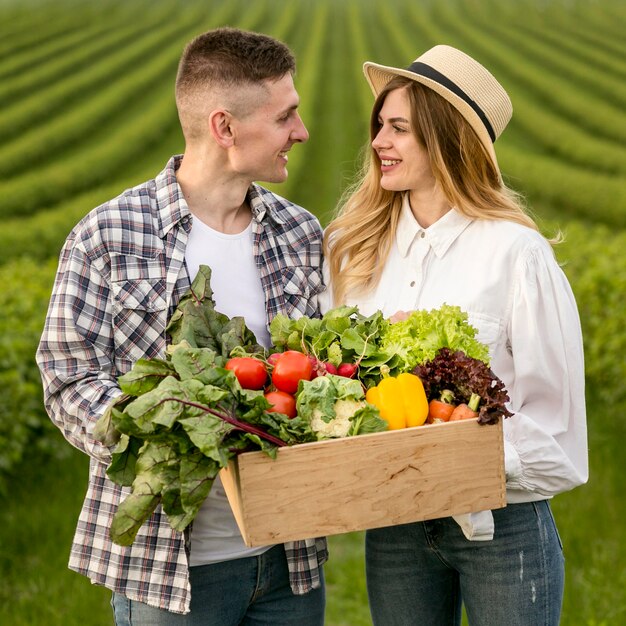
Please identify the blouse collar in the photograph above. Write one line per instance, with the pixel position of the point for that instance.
(440, 235)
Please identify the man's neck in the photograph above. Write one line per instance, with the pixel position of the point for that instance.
(213, 195)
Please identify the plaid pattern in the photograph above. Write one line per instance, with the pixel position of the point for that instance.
(121, 275)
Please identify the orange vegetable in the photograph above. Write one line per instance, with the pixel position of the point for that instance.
(439, 411)
(466, 411)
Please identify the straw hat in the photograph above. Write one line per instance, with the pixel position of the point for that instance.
(463, 82)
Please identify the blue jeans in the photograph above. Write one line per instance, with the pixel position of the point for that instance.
(252, 591)
(422, 573)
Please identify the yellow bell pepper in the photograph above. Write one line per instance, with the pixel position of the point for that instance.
(401, 401)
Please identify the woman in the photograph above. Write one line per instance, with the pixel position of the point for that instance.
(429, 222)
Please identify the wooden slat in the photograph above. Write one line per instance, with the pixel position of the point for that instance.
(344, 485)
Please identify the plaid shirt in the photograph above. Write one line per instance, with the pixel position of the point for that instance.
(121, 275)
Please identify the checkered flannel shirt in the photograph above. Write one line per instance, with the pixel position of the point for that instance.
(121, 275)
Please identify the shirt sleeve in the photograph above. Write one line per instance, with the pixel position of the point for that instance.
(546, 439)
(75, 354)
(325, 298)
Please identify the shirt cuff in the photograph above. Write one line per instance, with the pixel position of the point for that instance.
(476, 526)
(512, 463)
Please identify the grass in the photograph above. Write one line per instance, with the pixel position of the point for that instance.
(36, 527)
(37, 523)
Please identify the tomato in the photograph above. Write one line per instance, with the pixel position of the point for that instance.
(250, 372)
(291, 368)
(282, 402)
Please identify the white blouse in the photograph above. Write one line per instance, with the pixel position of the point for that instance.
(506, 278)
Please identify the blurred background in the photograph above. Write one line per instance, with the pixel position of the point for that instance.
(87, 110)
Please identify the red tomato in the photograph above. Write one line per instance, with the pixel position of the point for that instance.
(282, 402)
(250, 372)
(291, 368)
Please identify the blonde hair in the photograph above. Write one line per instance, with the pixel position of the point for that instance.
(358, 239)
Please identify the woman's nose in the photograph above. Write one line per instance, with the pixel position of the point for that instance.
(379, 141)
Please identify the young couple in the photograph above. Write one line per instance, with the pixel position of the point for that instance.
(430, 221)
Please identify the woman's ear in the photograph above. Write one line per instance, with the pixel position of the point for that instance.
(220, 127)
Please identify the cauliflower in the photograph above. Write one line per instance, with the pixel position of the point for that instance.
(339, 425)
(335, 406)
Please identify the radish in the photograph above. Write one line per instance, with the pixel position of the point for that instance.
(348, 370)
(272, 358)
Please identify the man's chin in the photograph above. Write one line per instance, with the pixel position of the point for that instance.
(276, 178)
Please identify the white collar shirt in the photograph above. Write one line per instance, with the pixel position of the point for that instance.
(505, 276)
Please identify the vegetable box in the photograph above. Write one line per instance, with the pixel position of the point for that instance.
(354, 483)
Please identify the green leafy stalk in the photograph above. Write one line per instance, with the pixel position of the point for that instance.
(474, 402)
(238, 424)
(145, 496)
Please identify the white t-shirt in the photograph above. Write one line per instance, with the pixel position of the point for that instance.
(237, 291)
(235, 278)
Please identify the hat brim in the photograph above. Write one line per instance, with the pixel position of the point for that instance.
(379, 75)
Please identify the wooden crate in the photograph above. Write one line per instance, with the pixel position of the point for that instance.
(369, 481)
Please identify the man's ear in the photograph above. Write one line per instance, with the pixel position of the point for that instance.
(220, 127)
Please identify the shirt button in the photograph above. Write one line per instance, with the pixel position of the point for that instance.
(422, 234)
(412, 283)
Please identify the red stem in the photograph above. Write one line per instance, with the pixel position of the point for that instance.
(231, 420)
(194, 296)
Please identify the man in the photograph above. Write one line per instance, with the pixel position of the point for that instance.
(122, 272)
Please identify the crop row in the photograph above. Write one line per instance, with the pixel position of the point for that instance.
(148, 114)
(41, 235)
(73, 90)
(558, 94)
(600, 27)
(96, 162)
(333, 88)
(558, 170)
(96, 45)
(334, 113)
(553, 59)
(140, 83)
(29, 35)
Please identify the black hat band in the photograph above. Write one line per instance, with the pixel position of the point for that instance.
(421, 69)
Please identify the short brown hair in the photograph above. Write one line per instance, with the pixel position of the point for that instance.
(228, 56)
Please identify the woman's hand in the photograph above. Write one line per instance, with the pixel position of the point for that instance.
(399, 316)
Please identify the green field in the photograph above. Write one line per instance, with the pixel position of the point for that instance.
(87, 110)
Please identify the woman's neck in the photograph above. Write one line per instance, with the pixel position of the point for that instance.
(428, 205)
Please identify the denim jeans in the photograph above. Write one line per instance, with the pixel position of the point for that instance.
(252, 591)
(422, 573)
